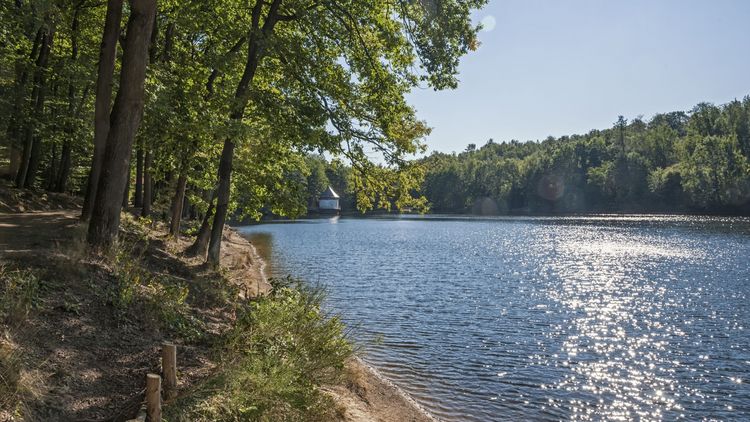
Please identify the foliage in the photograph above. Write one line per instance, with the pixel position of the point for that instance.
(160, 297)
(280, 350)
(675, 162)
(340, 89)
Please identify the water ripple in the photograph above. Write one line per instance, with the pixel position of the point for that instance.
(577, 318)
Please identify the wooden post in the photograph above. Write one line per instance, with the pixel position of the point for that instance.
(169, 369)
(153, 397)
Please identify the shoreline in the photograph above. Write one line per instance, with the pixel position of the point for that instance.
(366, 394)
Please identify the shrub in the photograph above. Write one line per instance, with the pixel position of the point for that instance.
(280, 350)
(160, 297)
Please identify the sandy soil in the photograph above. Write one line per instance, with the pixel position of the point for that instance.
(88, 363)
(367, 396)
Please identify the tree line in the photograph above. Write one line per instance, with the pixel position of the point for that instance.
(211, 109)
(696, 161)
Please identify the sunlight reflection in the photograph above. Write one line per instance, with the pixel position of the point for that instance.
(616, 342)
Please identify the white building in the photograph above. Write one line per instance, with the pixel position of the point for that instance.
(329, 200)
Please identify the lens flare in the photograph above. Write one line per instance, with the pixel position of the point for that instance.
(488, 23)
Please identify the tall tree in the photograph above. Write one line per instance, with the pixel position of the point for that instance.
(107, 56)
(381, 42)
(125, 119)
(32, 141)
(61, 176)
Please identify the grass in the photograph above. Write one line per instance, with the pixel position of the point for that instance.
(275, 357)
(161, 297)
(12, 386)
(19, 294)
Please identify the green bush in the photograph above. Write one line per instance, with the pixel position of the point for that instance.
(281, 349)
(169, 299)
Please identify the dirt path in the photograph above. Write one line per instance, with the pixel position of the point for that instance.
(28, 233)
(86, 360)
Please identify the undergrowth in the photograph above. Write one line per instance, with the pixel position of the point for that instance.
(19, 294)
(12, 388)
(162, 298)
(280, 350)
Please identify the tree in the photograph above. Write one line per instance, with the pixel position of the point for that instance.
(103, 97)
(125, 119)
(32, 142)
(317, 181)
(380, 41)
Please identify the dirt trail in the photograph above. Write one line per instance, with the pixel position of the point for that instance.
(84, 365)
(28, 233)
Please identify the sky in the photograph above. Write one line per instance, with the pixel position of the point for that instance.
(561, 67)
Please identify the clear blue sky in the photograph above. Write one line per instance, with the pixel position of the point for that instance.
(559, 67)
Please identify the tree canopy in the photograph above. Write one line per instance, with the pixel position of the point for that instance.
(235, 96)
(697, 161)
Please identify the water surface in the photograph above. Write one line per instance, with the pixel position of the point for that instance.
(578, 318)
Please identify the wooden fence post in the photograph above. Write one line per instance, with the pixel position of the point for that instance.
(169, 369)
(153, 397)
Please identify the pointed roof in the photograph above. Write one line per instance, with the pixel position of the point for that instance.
(329, 194)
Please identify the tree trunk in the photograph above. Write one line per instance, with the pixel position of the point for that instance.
(199, 247)
(36, 93)
(36, 146)
(185, 206)
(61, 184)
(61, 178)
(52, 169)
(23, 166)
(125, 119)
(177, 205)
(168, 42)
(222, 203)
(107, 56)
(66, 159)
(147, 185)
(256, 49)
(138, 200)
(126, 191)
(16, 123)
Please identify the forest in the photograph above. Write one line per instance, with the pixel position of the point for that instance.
(209, 110)
(696, 161)
(685, 162)
(216, 110)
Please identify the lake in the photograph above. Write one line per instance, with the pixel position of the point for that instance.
(550, 318)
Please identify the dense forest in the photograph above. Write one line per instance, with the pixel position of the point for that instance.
(210, 110)
(697, 161)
